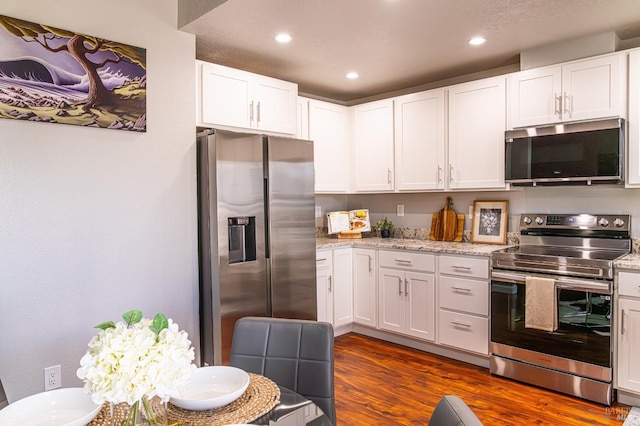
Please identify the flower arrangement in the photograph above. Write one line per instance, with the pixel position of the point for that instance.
(135, 360)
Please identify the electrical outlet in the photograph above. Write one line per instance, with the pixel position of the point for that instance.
(318, 211)
(400, 209)
(52, 378)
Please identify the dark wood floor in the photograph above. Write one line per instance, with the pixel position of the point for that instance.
(380, 383)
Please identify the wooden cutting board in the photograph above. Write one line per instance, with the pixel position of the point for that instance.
(445, 226)
(459, 227)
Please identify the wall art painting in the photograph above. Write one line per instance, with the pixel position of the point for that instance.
(489, 224)
(58, 76)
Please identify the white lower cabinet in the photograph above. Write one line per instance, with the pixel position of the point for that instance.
(364, 287)
(406, 302)
(334, 286)
(628, 332)
(463, 303)
(342, 287)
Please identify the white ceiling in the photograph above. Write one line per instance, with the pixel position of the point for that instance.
(394, 44)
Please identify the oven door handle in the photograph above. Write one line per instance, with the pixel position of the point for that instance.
(561, 282)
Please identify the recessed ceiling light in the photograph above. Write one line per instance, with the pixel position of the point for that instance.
(352, 75)
(477, 41)
(283, 38)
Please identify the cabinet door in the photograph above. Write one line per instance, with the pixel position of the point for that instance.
(364, 287)
(592, 88)
(633, 122)
(535, 96)
(420, 308)
(274, 103)
(329, 129)
(476, 134)
(342, 287)
(225, 96)
(302, 118)
(419, 141)
(373, 146)
(629, 344)
(391, 300)
(324, 285)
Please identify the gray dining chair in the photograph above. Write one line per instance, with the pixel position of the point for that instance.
(452, 411)
(3, 397)
(296, 354)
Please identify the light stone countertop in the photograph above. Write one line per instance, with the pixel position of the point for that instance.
(630, 261)
(408, 244)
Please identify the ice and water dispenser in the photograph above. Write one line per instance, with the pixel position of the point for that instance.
(242, 239)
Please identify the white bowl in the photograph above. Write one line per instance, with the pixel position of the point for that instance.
(212, 387)
(60, 407)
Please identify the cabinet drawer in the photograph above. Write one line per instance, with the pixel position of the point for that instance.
(464, 331)
(628, 284)
(477, 267)
(462, 294)
(407, 260)
(323, 259)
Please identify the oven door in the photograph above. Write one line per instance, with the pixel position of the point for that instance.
(584, 309)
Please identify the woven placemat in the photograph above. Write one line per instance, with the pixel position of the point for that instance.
(261, 396)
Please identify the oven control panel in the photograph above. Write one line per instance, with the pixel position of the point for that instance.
(575, 221)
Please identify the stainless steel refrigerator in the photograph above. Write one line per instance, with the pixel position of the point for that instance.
(256, 221)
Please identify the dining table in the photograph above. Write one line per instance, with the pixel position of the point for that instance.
(294, 410)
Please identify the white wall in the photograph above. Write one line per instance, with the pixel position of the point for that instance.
(95, 222)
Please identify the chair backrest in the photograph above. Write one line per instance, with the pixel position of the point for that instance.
(296, 354)
(452, 411)
(3, 397)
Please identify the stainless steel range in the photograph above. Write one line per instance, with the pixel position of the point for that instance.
(552, 304)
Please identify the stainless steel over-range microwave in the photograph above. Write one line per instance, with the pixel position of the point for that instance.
(565, 154)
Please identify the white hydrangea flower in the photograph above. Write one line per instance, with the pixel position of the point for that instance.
(125, 363)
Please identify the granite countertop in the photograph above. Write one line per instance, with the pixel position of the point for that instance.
(630, 261)
(409, 244)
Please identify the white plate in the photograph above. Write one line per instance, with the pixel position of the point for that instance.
(60, 407)
(212, 387)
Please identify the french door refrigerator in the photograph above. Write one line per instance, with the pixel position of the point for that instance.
(256, 222)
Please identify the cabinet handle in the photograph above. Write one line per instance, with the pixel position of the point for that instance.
(406, 287)
(251, 111)
(622, 323)
(258, 111)
(468, 290)
(461, 324)
(450, 173)
(389, 176)
(408, 262)
(438, 174)
(330, 290)
(464, 268)
(399, 286)
(566, 108)
(370, 268)
(321, 260)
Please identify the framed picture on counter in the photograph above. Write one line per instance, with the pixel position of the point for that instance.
(489, 224)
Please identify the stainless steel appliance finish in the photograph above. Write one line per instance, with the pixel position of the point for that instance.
(256, 211)
(566, 154)
(577, 253)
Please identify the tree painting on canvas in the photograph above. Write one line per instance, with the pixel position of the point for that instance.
(52, 75)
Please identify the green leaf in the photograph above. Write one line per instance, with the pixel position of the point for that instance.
(160, 322)
(132, 317)
(105, 325)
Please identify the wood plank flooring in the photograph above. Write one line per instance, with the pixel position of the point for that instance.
(381, 383)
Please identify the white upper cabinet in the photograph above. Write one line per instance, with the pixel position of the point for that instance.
(477, 115)
(330, 131)
(633, 122)
(302, 118)
(373, 146)
(420, 141)
(579, 90)
(228, 97)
